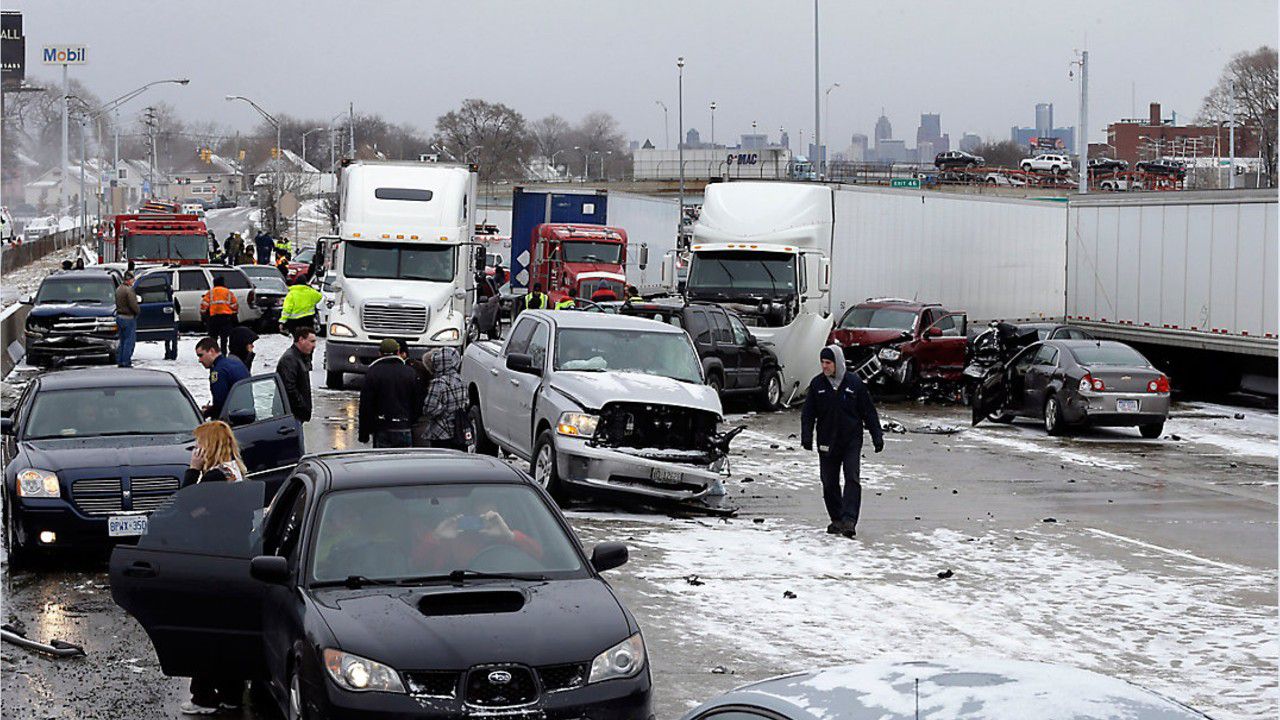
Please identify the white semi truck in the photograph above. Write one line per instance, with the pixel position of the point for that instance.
(401, 266)
(763, 249)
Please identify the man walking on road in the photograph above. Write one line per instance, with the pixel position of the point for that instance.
(839, 403)
(224, 371)
(389, 399)
(294, 369)
(219, 306)
(263, 245)
(127, 311)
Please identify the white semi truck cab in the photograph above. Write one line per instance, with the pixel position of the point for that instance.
(762, 249)
(401, 266)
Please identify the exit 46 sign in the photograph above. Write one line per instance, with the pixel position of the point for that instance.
(913, 183)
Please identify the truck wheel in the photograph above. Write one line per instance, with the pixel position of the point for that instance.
(543, 467)
(333, 379)
(481, 444)
(1151, 431)
(771, 390)
(1054, 424)
(1026, 167)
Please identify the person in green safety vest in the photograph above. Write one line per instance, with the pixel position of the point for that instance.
(300, 305)
(283, 248)
(535, 299)
(568, 302)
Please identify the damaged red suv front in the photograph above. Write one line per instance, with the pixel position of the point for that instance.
(902, 343)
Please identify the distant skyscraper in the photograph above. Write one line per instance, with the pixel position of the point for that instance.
(893, 151)
(970, 142)
(692, 139)
(930, 131)
(753, 141)
(1044, 119)
(884, 130)
(858, 147)
(784, 139)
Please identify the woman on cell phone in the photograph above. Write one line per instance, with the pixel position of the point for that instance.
(216, 456)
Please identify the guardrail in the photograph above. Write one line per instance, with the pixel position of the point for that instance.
(16, 256)
(12, 322)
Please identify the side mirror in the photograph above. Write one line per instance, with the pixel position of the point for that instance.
(669, 279)
(241, 416)
(6, 426)
(609, 555)
(644, 256)
(933, 332)
(28, 299)
(824, 275)
(751, 340)
(521, 363)
(271, 569)
(478, 257)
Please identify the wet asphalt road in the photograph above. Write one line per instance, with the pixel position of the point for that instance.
(1159, 564)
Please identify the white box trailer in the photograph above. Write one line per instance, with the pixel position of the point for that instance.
(995, 258)
(651, 223)
(1195, 270)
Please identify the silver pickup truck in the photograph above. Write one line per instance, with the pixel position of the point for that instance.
(599, 405)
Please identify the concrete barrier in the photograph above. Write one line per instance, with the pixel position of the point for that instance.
(12, 322)
(16, 256)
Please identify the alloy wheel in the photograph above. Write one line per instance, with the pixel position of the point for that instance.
(1051, 415)
(542, 467)
(295, 697)
(773, 391)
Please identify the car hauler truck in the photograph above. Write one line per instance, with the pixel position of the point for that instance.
(402, 265)
(763, 249)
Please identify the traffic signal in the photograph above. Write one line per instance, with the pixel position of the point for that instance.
(275, 153)
(206, 154)
(241, 155)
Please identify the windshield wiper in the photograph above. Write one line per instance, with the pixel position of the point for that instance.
(355, 582)
(461, 576)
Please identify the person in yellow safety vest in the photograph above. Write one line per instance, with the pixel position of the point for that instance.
(300, 305)
(536, 299)
(282, 247)
(568, 302)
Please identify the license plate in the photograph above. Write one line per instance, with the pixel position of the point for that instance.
(1127, 406)
(126, 525)
(663, 475)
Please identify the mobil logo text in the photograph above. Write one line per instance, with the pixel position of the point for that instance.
(64, 54)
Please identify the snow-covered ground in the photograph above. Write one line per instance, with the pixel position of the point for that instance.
(26, 279)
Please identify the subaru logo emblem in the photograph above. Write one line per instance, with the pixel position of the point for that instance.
(499, 677)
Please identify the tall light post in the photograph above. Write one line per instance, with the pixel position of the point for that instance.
(304, 142)
(680, 135)
(826, 117)
(713, 123)
(1082, 133)
(666, 126)
(603, 156)
(279, 150)
(1231, 175)
(586, 161)
(553, 159)
(817, 127)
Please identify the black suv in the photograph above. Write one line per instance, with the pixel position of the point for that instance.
(1170, 168)
(733, 361)
(957, 159)
(1103, 165)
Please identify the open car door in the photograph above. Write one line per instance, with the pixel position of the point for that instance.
(270, 437)
(158, 319)
(187, 581)
(991, 393)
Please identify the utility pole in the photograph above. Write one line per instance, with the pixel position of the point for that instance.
(1231, 172)
(666, 126)
(149, 119)
(680, 135)
(1082, 132)
(713, 123)
(66, 162)
(351, 117)
(817, 127)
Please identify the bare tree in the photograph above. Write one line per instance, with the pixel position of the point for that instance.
(1005, 153)
(1252, 75)
(550, 134)
(491, 134)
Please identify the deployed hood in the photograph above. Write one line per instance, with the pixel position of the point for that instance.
(551, 623)
(594, 389)
(109, 453)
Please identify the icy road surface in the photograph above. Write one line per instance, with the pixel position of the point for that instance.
(1154, 561)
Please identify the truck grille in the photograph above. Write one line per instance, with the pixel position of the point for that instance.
(495, 686)
(433, 683)
(75, 324)
(105, 496)
(393, 320)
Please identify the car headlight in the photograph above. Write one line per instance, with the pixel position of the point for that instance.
(38, 484)
(352, 672)
(577, 424)
(340, 330)
(447, 335)
(890, 354)
(624, 660)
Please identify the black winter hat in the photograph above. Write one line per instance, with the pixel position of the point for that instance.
(827, 354)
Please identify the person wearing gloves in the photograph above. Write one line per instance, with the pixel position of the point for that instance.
(840, 405)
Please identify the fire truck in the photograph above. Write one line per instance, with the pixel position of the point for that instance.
(156, 238)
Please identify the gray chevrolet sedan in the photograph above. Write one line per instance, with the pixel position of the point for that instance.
(1077, 382)
(944, 690)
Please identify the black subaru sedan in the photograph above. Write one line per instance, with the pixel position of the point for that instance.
(389, 584)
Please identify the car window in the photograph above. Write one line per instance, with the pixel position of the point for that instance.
(281, 521)
(1074, 334)
(666, 354)
(235, 279)
(260, 395)
(1046, 355)
(538, 345)
(1108, 354)
(1024, 360)
(519, 341)
(951, 325)
(192, 280)
(720, 323)
(96, 291)
(699, 328)
(740, 333)
(433, 529)
(152, 288)
(87, 412)
(208, 519)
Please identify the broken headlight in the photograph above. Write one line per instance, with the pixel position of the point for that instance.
(352, 672)
(890, 354)
(624, 660)
(576, 424)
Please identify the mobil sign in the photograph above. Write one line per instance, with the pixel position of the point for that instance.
(63, 54)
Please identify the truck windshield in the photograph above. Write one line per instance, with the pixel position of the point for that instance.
(731, 272)
(167, 247)
(97, 291)
(578, 251)
(416, 261)
(640, 351)
(878, 318)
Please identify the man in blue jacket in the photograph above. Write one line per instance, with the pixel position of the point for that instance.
(224, 371)
(839, 403)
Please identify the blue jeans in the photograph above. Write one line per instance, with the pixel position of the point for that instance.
(128, 338)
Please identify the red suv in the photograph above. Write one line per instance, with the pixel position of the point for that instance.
(902, 342)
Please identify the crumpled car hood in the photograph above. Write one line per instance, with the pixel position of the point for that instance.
(595, 389)
(867, 336)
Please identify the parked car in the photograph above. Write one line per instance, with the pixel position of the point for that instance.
(73, 317)
(1056, 331)
(1068, 383)
(38, 228)
(1008, 179)
(1163, 166)
(91, 453)
(268, 293)
(301, 262)
(901, 342)
(193, 281)
(986, 689)
(733, 361)
(1104, 165)
(193, 207)
(599, 404)
(954, 159)
(1047, 162)
(407, 584)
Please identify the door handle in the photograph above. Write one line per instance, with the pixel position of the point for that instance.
(285, 431)
(167, 310)
(140, 569)
(493, 372)
(515, 382)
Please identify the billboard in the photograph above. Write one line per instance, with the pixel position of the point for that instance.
(13, 48)
(64, 55)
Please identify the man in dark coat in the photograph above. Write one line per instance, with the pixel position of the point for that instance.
(263, 243)
(294, 369)
(389, 399)
(840, 405)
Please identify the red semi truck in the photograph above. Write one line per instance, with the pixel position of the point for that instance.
(590, 259)
(156, 238)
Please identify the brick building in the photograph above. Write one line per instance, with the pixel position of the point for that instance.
(1139, 139)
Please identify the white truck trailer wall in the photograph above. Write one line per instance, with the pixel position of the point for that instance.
(994, 258)
(1187, 269)
(648, 221)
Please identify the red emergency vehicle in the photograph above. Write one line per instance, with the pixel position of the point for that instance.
(156, 238)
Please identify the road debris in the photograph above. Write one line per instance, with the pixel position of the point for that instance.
(54, 648)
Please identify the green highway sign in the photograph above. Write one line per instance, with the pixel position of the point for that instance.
(913, 183)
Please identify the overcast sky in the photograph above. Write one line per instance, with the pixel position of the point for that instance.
(982, 64)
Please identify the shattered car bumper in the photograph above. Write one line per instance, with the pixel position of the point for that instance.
(1103, 409)
(636, 472)
(69, 348)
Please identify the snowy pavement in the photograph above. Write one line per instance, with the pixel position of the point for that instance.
(1153, 561)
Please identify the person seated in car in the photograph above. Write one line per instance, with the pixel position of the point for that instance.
(458, 539)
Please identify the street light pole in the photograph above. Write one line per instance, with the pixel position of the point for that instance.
(713, 123)
(826, 117)
(66, 162)
(680, 135)
(817, 127)
(1231, 174)
(304, 143)
(666, 126)
(1082, 136)
(279, 150)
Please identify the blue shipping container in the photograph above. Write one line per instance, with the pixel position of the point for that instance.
(531, 208)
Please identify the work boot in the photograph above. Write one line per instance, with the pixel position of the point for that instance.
(833, 529)
(848, 528)
(191, 708)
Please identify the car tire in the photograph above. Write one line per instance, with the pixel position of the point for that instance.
(771, 390)
(1055, 170)
(19, 556)
(715, 382)
(333, 379)
(1002, 418)
(543, 466)
(1054, 423)
(296, 702)
(1152, 431)
(482, 444)
(991, 181)
(1026, 167)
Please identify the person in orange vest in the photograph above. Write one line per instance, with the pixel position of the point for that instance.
(219, 309)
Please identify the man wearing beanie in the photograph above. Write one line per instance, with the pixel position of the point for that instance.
(839, 403)
(388, 406)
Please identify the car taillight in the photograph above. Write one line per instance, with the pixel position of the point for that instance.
(1089, 382)
(252, 296)
(1159, 385)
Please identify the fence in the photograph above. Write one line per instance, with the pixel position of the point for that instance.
(16, 256)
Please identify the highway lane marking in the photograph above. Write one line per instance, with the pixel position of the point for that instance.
(1170, 551)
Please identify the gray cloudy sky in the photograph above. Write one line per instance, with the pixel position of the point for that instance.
(981, 64)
